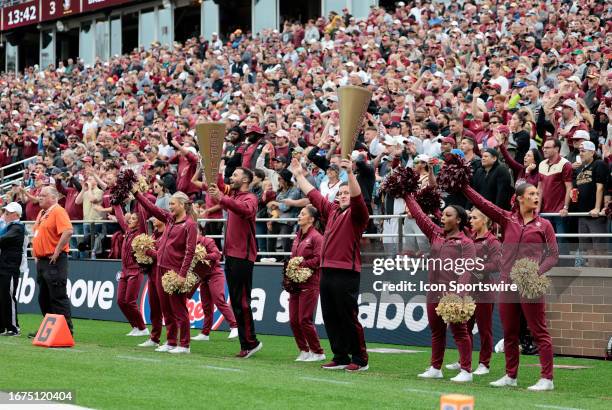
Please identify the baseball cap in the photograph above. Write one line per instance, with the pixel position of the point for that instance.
(233, 117)
(422, 158)
(570, 104)
(581, 135)
(449, 140)
(14, 207)
(586, 145)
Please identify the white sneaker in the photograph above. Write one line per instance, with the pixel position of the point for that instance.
(499, 346)
(453, 366)
(431, 373)
(268, 260)
(180, 350)
(143, 332)
(482, 369)
(314, 357)
(149, 343)
(201, 337)
(134, 330)
(504, 381)
(462, 377)
(303, 356)
(165, 348)
(233, 333)
(254, 350)
(542, 385)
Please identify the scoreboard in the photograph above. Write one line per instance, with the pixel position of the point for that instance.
(38, 11)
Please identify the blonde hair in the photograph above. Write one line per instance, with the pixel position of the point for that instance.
(184, 199)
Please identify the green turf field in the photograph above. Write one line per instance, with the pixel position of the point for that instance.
(106, 370)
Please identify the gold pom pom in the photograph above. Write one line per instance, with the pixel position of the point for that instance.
(142, 185)
(140, 245)
(190, 282)
(525, 275)
(170, 282)
(453, 308)
(200, 255)
(295, 272)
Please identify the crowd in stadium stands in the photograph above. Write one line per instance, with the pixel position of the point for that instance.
(523, 91)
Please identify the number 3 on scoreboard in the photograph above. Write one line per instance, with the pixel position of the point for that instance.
(52, 7)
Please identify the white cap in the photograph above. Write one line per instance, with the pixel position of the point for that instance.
(586, 145)
(575, 79)
(282, 133)
(570, 104)
(422, 158)
(298, 125)
(14, 207)
(214, 33)
(581, 135)
(234, 117)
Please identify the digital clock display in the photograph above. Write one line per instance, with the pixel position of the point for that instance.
(20, 15)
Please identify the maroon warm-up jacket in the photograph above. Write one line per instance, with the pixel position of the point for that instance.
(456, 247)
(535, 239)
(343, 231)
(488, 248)
(240, 230)
(309, 245)
(129, 265)
(177, 244)
(213, 256)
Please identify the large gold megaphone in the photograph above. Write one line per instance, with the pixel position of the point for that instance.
(353, 103)
(210, 139)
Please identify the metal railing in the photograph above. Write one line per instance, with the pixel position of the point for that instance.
(400, 235)
(15, 177)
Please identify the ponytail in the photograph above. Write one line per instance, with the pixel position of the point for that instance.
(314, 212)
(184, 199)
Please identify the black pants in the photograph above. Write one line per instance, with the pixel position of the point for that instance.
(51, 279)
(8, 301)
(339, 292)
(239, 276)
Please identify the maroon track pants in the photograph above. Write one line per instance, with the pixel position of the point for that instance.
(212, 293)
(127, 298)
(176, 315)
(302, 306)
(438, 340)
(534, 313)
(155, 316)
(483, 317)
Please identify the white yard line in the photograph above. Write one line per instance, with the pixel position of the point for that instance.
(316, 379)
(547, 406)
(224, 369)
(142, 359)
(428, 392)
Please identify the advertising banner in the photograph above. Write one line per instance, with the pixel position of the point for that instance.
(396, 317)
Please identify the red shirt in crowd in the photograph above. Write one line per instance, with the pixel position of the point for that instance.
(553, 176)
(75, 212)
(187, 166)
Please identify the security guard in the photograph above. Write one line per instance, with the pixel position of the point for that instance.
(11, 256)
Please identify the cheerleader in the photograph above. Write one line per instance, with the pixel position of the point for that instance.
(131, 274)
(176, 249)
(156, 316)
(304, 296)
(447, 243)
(525, 235)
(212, 290)
(488, 249)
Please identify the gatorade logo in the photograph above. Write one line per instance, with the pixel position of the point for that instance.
(46, 328)
(194, 307)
